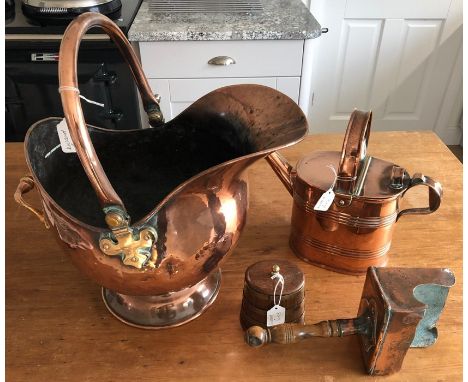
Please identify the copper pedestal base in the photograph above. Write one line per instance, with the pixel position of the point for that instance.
(164, 311)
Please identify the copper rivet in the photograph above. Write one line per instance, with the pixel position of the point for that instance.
(341, 202)
(106, 246)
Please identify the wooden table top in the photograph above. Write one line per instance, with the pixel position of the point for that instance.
(58, 329)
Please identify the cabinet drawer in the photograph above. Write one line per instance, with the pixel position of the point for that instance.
(189, 59)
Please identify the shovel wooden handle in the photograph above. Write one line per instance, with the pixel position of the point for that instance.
(257, 336)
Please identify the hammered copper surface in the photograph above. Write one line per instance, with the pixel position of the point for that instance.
(356, 231)
(185, 178)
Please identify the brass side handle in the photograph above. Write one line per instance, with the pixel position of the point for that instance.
(25, 185)
(435, 195)
(222, 60)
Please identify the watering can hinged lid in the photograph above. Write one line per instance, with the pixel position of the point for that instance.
(352, 171)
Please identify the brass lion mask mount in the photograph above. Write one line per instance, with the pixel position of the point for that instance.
(399, 309)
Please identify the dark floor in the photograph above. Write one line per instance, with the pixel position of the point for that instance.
(457, 150)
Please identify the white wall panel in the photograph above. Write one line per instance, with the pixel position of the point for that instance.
(397, 58)
(415, 56)
(397, 9)
(357, 62)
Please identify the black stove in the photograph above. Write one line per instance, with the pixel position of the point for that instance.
(18, 23)
(31, 72)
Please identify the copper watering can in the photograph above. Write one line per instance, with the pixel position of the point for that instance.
(151, 214)
(355, 232)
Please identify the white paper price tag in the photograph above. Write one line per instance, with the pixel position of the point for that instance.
(65, 139)
(325, 201)
(276, 316)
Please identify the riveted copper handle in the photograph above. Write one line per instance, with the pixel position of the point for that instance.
(72, 107)
(25, 185)
(435, 195)
(354, 149)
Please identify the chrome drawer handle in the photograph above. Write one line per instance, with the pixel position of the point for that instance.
(222, 60)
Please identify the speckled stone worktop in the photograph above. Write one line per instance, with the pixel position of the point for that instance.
(279, 20)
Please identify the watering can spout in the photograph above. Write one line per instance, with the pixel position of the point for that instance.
(282, 169)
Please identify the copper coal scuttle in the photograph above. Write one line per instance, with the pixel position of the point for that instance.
(151, 214)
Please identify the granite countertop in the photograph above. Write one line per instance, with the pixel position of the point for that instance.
(279, 20)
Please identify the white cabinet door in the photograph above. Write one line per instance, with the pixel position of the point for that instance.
(178, 94)
(395, 57)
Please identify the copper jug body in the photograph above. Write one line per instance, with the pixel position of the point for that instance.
(150, 215)
(356, 230)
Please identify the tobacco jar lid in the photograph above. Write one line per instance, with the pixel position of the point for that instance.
(258, 276)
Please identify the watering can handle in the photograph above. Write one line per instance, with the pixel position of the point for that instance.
(72, 107)
(435, 195)
(354, 149)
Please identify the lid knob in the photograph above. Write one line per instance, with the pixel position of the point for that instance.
(275, 269)
(398, 173)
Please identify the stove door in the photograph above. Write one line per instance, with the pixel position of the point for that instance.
(31, 89)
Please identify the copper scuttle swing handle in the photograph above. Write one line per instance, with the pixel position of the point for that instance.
(25, 185)
(134, 245)
(73, 112)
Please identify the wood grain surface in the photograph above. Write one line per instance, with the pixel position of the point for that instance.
(57, 328)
